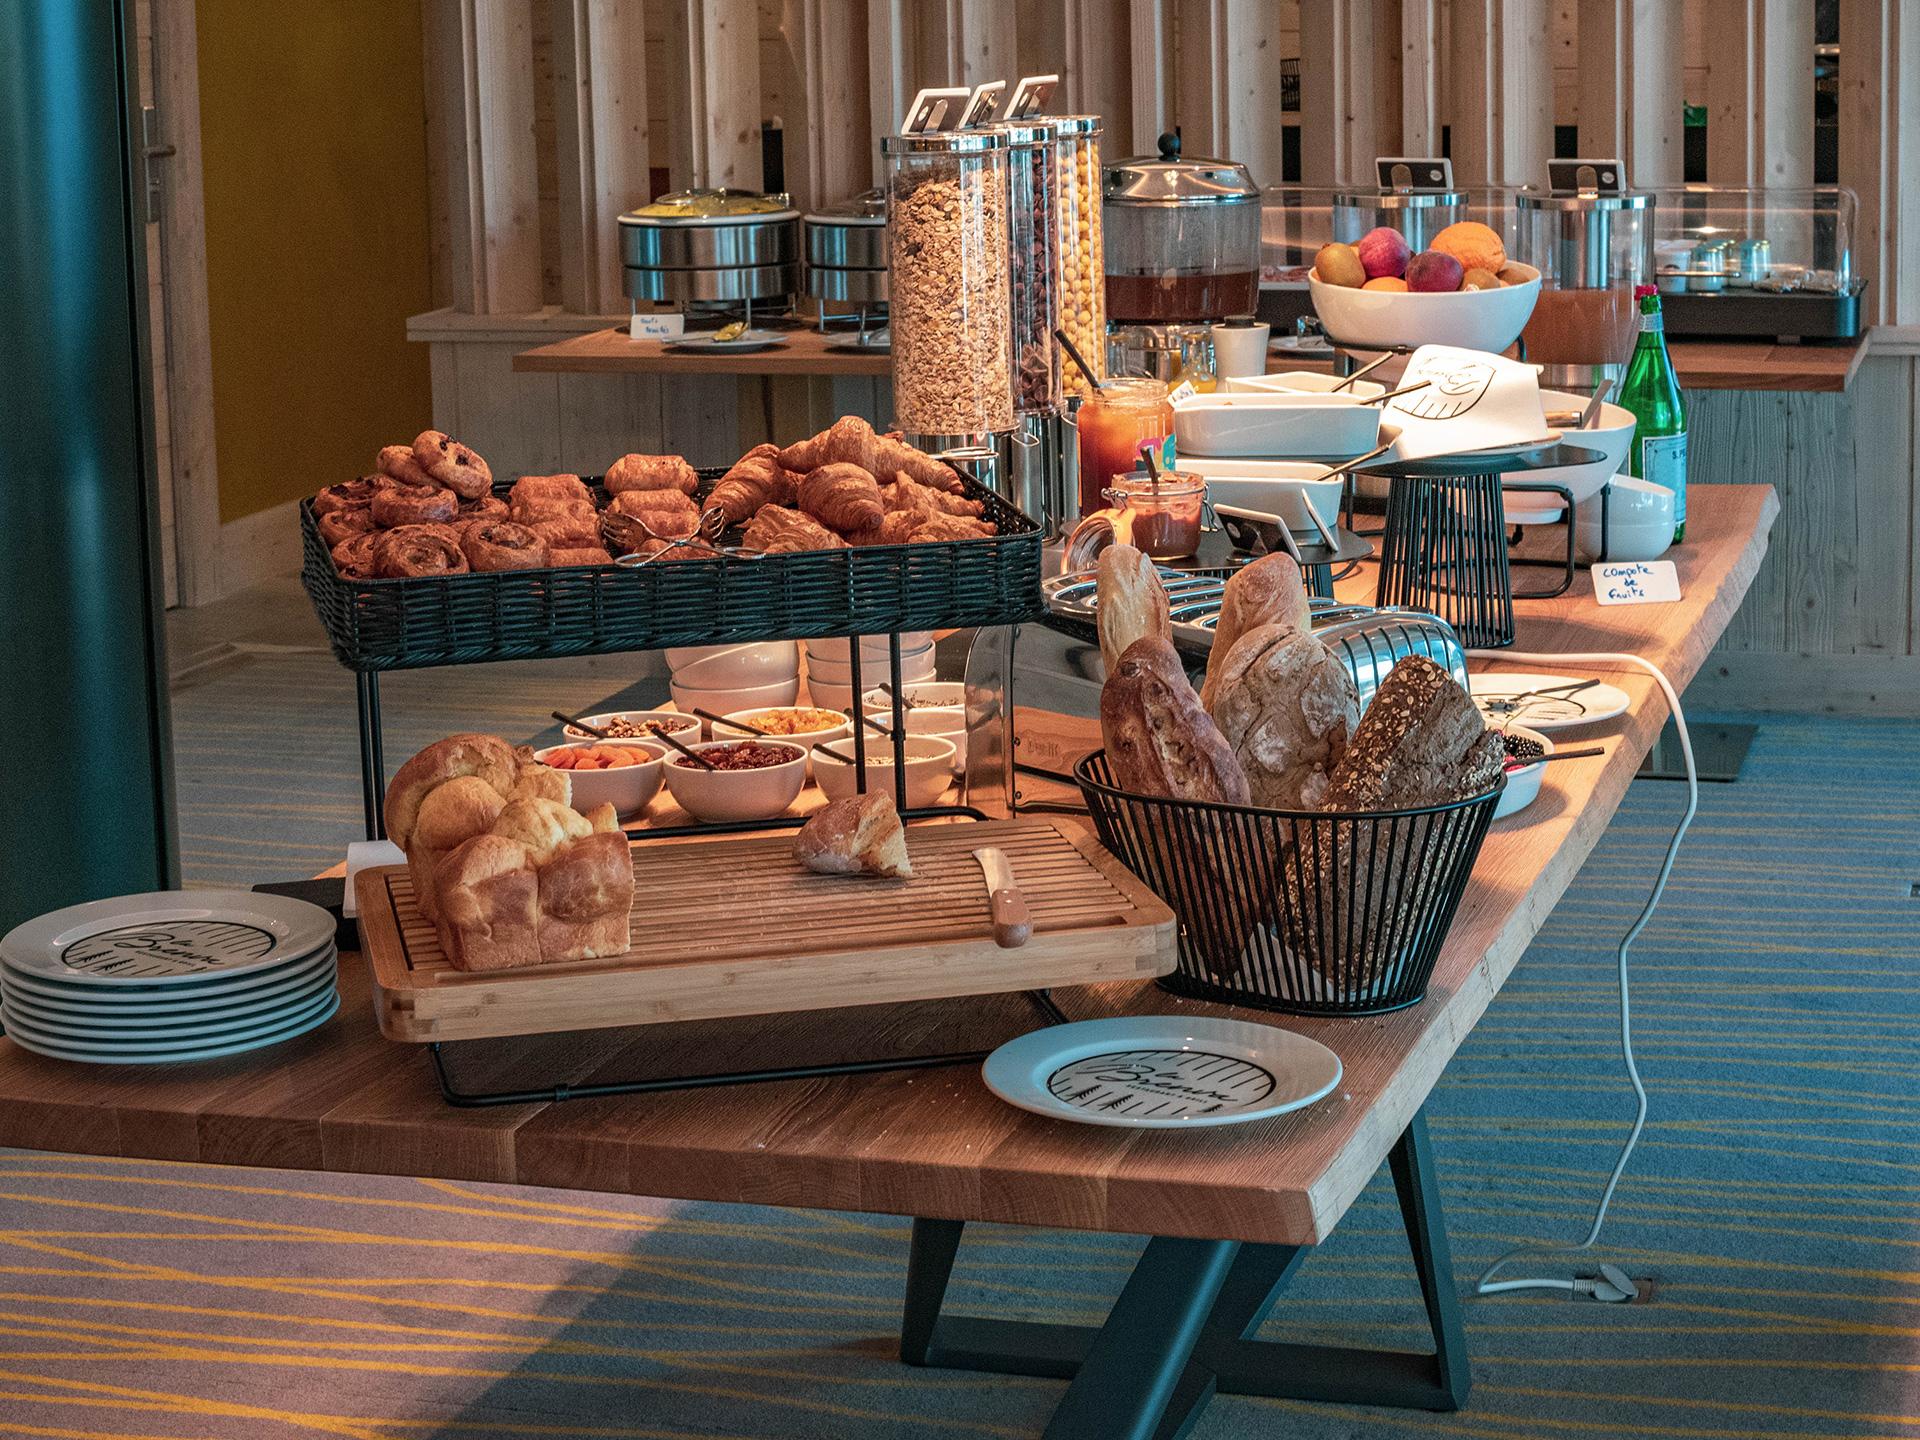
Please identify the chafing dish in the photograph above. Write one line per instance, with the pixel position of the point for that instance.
(712, 247)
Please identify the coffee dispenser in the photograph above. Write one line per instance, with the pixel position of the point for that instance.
(1592, 240)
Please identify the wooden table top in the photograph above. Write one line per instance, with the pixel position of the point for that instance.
(1700, 364)
(929, 1143)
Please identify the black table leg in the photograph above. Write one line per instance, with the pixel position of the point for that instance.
(373, 765)
(1182, 1329)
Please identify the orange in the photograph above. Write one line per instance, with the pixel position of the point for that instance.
(1385, 282)
(1475, 246)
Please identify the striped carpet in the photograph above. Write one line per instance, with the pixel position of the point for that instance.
(1774, 1203)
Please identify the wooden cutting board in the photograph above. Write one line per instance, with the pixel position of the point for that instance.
(735, 927)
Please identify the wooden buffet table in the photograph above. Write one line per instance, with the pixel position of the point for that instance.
(1234, 1210)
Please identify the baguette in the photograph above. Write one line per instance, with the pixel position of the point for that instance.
(1131, 603)
(1270, 591)
(1158, 739)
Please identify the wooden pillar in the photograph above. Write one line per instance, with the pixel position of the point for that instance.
(981, 40)
(723, 93)
(1338, 134)
(600, 140)
(1632, 105)
(828, 41)
(1502, 92)
(1151, 71)
(1227, 83)
(1880, 150)
(492, 174)
(1420, 69)
(1760, 92)
(1098, 74)
(889, 79)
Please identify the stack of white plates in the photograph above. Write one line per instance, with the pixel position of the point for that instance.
(176, 975)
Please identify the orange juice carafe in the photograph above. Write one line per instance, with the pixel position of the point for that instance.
(1113, 424)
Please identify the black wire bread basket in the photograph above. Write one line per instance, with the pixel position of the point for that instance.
(1306, 913)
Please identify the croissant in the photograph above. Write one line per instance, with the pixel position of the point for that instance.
(896, 527)
(951, 527)
(776, 529)
(842, 496)
(852, 441)
(904, 494)
(651, 472)
(757, 478)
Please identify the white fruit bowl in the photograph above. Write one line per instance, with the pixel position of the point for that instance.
(1469, 319)
(1611, 436)
(1523, 785)
(627, 789)
(724, 702)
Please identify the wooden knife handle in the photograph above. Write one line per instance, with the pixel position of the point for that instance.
(1012, 925)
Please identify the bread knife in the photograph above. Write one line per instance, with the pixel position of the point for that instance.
(1012, 925)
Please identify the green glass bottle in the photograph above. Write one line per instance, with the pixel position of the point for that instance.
(1652, 393)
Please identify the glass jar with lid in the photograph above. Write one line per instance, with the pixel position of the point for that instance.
(1080, 286)
(1033, 261)
(947, 238)
(1113, 424)
(1182, 239)
(1162, 511)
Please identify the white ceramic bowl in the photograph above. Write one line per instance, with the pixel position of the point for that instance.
(684, 728)
(725, 702)
(805, 740)
(872, 647)
(715, 795)
(949, 722)
(929, 768)
(914, 665)
(628, 788)
(1639, 521)
(1273, 487)
(1612, 435)
(734, 667)
(1469, 319)
(1301, 382)
(1274, 424)
(1523, 786)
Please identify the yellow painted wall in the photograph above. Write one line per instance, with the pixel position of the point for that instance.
(313, 134)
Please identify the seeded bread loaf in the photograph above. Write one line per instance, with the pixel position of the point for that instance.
(1421, 742)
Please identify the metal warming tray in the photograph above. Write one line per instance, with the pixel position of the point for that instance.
(846, 249)
(711, 246)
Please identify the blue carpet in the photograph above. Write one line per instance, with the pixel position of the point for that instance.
(1773, 1204)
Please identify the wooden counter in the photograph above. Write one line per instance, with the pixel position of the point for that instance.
(1701, 364)
(929, 1143)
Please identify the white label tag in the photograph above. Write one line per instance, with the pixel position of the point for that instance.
(1181, 392)
(658, 327)
(1636, 582)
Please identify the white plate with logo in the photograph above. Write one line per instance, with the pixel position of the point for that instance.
(164, 1055)
(1516, 699)
(113, 1023)
(180, 1037)
(132, 999)
(1162, 1072)
(172, 937)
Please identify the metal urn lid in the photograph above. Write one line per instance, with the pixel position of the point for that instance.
(1170, 180)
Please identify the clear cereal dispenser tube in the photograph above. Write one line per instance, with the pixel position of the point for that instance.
(947, 232)
(1082, 280)
(1033, 264)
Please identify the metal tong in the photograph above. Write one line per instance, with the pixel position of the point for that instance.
(621, 529)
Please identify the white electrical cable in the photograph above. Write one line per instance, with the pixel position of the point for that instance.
(1611, 1283)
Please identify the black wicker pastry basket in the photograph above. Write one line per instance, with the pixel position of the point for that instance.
(1311, 913)
(589, 610)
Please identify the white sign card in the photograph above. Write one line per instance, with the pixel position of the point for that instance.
(1636, 582)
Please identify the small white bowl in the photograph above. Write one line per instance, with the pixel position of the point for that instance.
(872, 647)
(725, 702)
(936, 707)
(1273, 487)
(1639, 521)
(716, 795)
(1301, 382)
(929, 768)
(1274, 424)
(806, 740)
(1523, 785)
(628, 788)
(681, 727)
(914, 665)
(1469, 319)
(1611, 436)
(734, 667)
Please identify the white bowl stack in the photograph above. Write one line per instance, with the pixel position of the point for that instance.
(722, 679)
(170, 976)
(830, 665)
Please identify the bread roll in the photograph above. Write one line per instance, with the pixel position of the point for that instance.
(1421, 742)
(1158, 739)
(489, 915)
(1131, 603)
(860, 834)
(1287, 706)
(1270, 591)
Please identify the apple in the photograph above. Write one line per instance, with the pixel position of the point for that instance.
(1433, 272)
(1383, 251)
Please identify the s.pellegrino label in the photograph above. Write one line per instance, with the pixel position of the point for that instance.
(1652, 392)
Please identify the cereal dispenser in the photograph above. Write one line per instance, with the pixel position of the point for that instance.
(950, 310)
(1592, 240)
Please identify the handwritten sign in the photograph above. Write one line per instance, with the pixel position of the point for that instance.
(1636, 582)
(666, 326)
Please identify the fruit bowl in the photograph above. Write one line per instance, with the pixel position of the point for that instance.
(1469, 319)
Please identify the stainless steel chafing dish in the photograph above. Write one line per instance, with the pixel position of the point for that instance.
(846, 248)
(712, 247)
